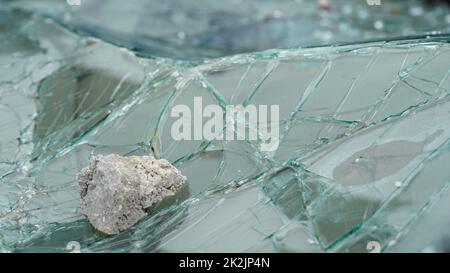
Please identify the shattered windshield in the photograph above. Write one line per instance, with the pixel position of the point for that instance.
(245, 126)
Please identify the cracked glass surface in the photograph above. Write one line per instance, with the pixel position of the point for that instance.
(201, 29)
(364, 127)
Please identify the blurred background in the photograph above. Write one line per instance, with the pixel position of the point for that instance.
(203, 28)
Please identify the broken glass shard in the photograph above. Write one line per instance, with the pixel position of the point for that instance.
(363, 130)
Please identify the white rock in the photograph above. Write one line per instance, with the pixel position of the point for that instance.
(116, 191)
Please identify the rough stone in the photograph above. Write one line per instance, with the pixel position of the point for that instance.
(116, 191)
